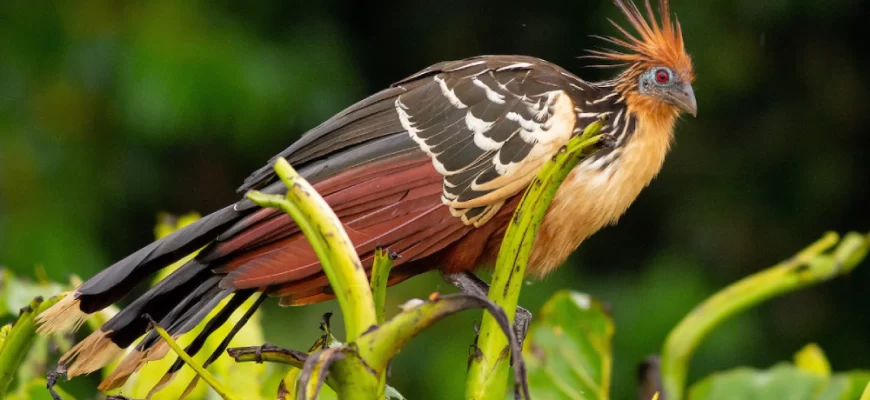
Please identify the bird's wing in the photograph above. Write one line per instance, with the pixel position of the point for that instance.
(472, 134)
(488, 125)
(485, 123)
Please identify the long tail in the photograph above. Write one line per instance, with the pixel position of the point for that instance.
(113, 283)
(179, 302)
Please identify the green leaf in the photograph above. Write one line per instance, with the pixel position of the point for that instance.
(16, 292)
(811, 358)
(393, 394)
(568, 350)
(783, 381)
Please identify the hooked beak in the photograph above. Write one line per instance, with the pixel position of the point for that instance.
(684, 99)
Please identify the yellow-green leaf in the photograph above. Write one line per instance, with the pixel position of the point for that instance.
(811, 358)
(866, 395)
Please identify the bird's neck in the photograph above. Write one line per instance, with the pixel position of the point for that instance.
(601, 188)
(654, 112)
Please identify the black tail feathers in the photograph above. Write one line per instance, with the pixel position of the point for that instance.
(112, 283)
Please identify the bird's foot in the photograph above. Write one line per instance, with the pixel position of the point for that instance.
(522, 320)
(470, 284)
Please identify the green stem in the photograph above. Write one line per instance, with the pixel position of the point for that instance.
(200, 371)
(343, 269)
(317, 373)
(337, 254)
(380, 345)
(380, 275)
(19, 339)
(810, 266)
(488, 371)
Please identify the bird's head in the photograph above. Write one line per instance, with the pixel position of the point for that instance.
(658, 72)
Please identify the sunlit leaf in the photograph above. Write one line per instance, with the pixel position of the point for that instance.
(568, 350)
(783, 381)
(811, 358)
(16, 293)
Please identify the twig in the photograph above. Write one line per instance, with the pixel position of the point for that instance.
(268, 353)
(51, 381)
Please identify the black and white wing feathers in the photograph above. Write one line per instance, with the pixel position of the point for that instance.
(488, 124)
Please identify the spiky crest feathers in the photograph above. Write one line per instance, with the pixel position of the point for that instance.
(656, 44)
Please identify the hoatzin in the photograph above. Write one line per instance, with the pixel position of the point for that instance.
(431, 168)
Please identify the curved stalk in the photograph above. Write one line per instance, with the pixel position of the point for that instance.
(337, 254)
(343, 269)
(380, 275)
(809, 267)
(489, 366)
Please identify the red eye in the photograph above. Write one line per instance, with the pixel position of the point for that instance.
(663, 76)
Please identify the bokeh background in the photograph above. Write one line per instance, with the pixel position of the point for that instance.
(111, 112)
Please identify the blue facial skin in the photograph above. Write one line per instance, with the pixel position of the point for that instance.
(651, 83)
(663, 83)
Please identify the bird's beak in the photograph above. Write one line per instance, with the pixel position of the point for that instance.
(684, 99)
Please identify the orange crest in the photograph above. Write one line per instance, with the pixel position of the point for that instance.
(658, 43)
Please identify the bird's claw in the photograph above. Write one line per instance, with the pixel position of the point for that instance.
(469, 283)
(608, 141)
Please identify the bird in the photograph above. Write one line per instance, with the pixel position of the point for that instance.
(431, 167)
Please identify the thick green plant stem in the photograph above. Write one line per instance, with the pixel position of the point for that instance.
(346, 276)
(811, 266)
(488, 371)
(337, 254)
(19, 339)
(200, 371)
(380, 275)
(380, 345)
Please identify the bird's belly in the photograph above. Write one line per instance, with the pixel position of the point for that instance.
(596, 193)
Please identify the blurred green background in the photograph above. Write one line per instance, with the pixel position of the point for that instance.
(111, 112)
